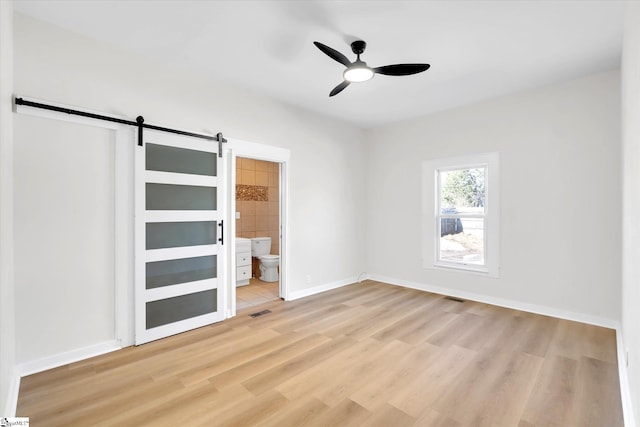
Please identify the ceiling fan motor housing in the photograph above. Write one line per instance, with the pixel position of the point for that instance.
(358, 47)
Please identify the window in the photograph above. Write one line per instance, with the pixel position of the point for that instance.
(461, 213)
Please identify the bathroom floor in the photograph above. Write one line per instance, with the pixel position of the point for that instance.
(256, 293)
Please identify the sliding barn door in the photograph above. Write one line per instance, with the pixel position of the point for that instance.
(179, 235)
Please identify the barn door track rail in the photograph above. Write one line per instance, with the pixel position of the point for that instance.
(139, 122)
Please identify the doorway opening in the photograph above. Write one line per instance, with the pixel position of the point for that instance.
(258, 231)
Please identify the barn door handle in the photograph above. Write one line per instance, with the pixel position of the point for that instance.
(221, 238)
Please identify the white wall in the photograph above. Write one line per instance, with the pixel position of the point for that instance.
(64, 236)
(631, 198)
(560, 188)
(326, 168)
(7, 323)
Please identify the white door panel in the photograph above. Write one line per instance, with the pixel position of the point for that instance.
(179, 283)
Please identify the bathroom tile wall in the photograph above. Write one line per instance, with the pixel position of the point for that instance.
(258, 218)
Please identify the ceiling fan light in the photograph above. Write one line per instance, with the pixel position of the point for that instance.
(358, 73)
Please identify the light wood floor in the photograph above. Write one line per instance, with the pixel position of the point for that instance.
(256, 292)
(367, 354)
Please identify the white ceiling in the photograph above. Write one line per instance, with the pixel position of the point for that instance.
(477, 49)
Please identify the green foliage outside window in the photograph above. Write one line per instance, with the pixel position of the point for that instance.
(463, 188)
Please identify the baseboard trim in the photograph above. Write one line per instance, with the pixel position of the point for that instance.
(66, 358)
(11, 404)
(294, 295)
(516, 305)
(625, 391)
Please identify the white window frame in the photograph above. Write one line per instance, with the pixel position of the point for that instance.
(431, 212)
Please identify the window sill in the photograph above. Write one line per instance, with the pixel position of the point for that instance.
(479, 271)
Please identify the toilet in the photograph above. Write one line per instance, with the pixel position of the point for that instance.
(260, 248)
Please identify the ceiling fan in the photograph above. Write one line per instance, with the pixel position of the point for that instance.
(359, 71)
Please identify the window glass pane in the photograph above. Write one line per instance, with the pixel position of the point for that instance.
(462, 191)
(462, 240)
(165, 311)
(180, 197)
(165, 273)
(180, 160)
(175, 234)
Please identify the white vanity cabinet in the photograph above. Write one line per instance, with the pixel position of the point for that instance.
(243, 261)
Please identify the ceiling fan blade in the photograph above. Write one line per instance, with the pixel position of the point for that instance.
(401, 69)
(336, 90)
(334, 54)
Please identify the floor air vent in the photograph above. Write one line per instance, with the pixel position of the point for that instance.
(454, 299)
(260, 313)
